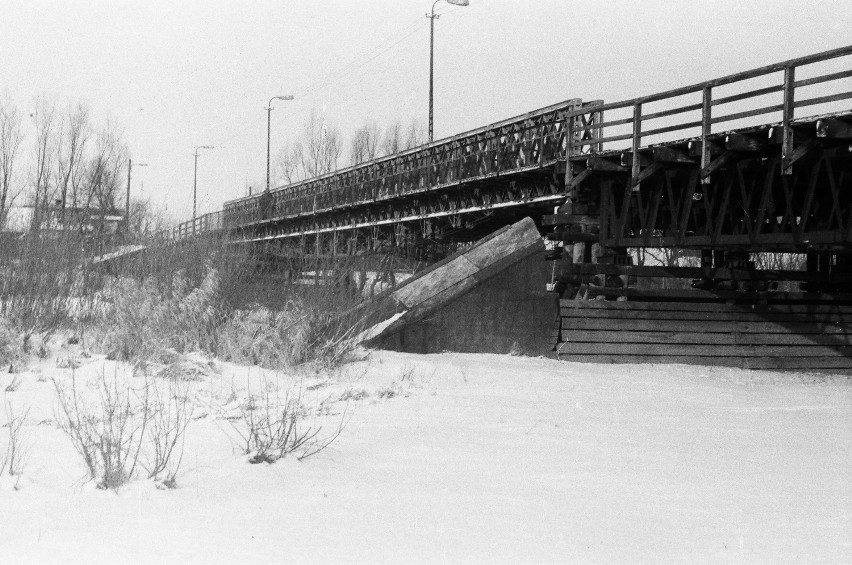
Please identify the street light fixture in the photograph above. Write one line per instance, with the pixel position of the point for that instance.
(269, 131)
(432, 17)
(195, 177)
(130, 165)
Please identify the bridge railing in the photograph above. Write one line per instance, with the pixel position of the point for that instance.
(204, 224)
(559, 133)
(732, 100)
(532, 141)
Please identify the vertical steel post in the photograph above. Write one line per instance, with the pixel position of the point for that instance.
(126, 201)
(787, 133)
(194, 185)
(268, 142)
(431, 68)
(706, 105)
(637, 141)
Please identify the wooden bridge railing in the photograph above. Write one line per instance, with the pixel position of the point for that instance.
(541, 138)
(206, 223)
(700, 115)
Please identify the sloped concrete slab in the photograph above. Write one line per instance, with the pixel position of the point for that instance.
(489, 298)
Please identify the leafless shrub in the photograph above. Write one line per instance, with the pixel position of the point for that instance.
(270, 426)
(389, 392)
(40, 279)
(351, 394)
(13, 384)
(170, 413)
(13, 456)
(107, 434)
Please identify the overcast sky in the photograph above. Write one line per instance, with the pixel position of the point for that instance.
(176, 74)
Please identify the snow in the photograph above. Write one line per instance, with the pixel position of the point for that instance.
(464, 458)
(376, 330)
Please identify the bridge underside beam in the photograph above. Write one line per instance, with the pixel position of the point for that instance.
(740, 201)
(417, 225)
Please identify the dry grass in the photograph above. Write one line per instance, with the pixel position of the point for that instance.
(147, 320)
(13, 455)
(271, 426)
(142, 320)
(188, 300)
(11, 347)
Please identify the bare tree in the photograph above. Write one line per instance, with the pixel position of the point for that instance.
(288, 164)
(44, 118)
(365, 144)
(416, 135)
(321, 147)
(392, 142)
(10, 143)
(104, 172)
(70, 150)
(146, 219)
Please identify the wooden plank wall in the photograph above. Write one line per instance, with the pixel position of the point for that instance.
(775, 336)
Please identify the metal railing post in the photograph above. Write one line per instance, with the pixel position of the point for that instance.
(706, 105)
(787, 129)
(637, 141)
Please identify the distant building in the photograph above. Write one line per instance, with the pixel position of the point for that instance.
(92, 222)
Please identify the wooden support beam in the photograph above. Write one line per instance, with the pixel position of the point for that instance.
(719, 162)
(802, 150)
(647, 172)
(573, 237)
(570, 219)
(627, 159)
(672, 156)
(744, 143)
(833, 128)
(841, 151)
(579, 179)
(671, 294)
(695, 149)
(775, 135)
(597, 163)
(699, 273)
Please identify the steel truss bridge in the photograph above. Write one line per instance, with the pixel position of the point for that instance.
(757, 161)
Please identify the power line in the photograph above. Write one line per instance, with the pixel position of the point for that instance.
(331, 78)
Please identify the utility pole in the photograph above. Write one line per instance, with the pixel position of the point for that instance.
(195, 179)
(127, 197)
(268, 140)
(269, 131)
(431, 65)
(432, 18)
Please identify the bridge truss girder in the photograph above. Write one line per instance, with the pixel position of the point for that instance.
(429, 222)
(741, 201)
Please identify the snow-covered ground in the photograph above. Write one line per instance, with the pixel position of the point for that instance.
(463, 458)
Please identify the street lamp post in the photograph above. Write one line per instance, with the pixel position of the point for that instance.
(432, 17)
(195, 180)
(269, 131)
(130, 165)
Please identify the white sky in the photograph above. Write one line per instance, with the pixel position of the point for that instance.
(176, 74)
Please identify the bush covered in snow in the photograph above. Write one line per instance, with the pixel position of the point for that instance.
(145, 320)
(11, 347)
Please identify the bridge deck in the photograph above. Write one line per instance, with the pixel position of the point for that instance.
(527, 164)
